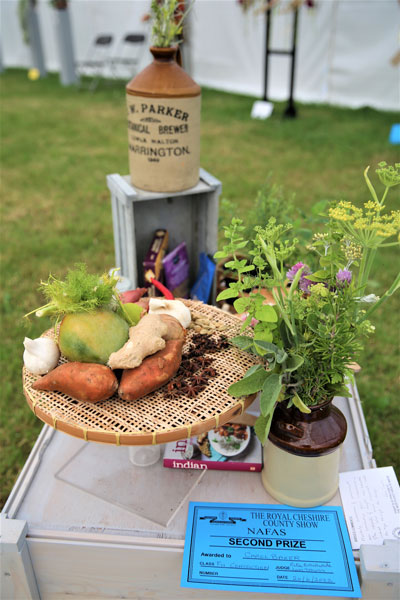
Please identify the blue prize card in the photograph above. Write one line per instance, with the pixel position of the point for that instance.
(268, 548)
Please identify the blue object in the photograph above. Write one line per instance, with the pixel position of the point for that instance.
(201, 290)
(394, 136)
(269, 548)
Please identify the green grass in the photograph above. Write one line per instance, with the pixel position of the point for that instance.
(59, 144)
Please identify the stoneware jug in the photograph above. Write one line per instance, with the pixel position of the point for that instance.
(163, 125)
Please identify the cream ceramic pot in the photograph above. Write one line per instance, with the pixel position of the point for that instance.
(301, 456)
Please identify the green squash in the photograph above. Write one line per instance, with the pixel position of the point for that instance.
(92, 336)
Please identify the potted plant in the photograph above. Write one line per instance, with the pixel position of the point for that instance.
(308, 339)
(271, 201)
(164, 111)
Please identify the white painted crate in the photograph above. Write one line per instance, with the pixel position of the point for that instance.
(190, 216)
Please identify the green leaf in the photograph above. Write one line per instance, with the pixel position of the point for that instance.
(220, 254)
(226, 294)
(336, 378)
(342, 391)
(243, 342)
(313, 322)
(246, 269)
(241, 304)
(318, 276)
(293, 363)
(271, 348)
(285, 335)
(253, 369)
(271, 364)
(262, 427)
(266, 313)
(250, 384)
(265, 336)
(319, 207)
(325, 261)
(131, 313)
(231, 264)
(259, 349)
(281, 356)
(270, 391)
(295, 283)
(298, 402)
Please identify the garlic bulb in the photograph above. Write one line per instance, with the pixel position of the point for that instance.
(175, 308)
(41, 355)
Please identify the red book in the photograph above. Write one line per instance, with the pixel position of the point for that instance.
(230, 447)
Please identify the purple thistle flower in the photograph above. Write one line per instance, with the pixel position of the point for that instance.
(304, 283)
(343, 277)
(293, 270)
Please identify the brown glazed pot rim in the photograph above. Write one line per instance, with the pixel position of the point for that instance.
(164, 50)
(298, 434)
(316, 410)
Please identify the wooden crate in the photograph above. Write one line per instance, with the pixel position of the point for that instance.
(190, 216)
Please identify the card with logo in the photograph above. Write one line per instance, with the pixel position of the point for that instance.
(269, 549)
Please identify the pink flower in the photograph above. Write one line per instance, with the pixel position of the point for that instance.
(343, 277)
(304, 283)
(293, 270)
(244, 316)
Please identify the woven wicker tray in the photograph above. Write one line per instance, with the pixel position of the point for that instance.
(152, 419)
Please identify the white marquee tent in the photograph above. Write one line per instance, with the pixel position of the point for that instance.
(346, 50)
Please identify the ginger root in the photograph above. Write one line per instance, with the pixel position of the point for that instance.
(146, 338)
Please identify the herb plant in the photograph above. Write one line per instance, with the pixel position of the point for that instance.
(83, 292)
(308, 339)
(167, 22)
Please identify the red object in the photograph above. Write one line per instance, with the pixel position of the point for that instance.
(168, 295)
(132, 295)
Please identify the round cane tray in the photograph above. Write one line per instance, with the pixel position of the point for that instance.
(153, 419)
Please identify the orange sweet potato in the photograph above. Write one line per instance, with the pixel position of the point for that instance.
(83, 381)
(153, 373)
(175, 329)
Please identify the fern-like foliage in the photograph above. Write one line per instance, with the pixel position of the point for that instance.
(167, 22)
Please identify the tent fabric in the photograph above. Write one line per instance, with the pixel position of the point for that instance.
(344, 47)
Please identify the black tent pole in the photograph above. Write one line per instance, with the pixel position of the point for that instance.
(291, 109)
(266, 58)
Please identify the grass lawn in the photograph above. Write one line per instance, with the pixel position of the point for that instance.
(59, 144)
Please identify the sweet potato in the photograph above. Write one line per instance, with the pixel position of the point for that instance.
(83, 381)
(153, 373)
(175, 329)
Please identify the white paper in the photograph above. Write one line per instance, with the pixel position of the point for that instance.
(371, 504)
(261, 109)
